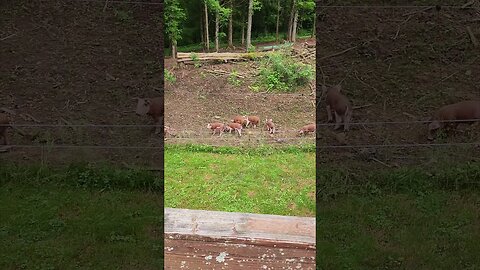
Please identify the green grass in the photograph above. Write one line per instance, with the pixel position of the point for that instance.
(262, 180)
(399, 219)
(56, 219)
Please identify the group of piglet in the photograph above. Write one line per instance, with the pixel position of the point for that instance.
(447, 117)
(239, 122)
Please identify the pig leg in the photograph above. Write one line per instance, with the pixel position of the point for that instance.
(338, 121)
(239, 132)
(329, 113)
(157, 125)
(347, 119)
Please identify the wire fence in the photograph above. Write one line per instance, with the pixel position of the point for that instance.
(317, 124)
(398, 6)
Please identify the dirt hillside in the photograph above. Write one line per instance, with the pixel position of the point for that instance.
(399, 64)
(76, 62)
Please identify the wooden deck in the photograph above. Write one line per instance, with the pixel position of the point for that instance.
(196, 239)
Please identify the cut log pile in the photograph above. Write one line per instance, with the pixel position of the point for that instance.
(189, 58)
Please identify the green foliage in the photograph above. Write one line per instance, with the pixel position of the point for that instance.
(437, 230)
(47, 225)
(215, 6)
(280, 72)
(196, 61)
(234, 79)
(169, 77)
(83, 176)
(340, 182)
(174, 16)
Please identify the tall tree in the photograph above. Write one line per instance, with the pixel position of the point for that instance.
(278, 22)
(230, 26)
(249, 24)
(252, 5)
(217, 29)
(207, 40)
(174, 16)
(294, 26)
(290, 22)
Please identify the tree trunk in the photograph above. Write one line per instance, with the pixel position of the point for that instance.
(174, 49)
(230, 26)
(243, 34)
(249, 24)
(207, 41)
(294, 28)
(202, 31)
(314, 30)
(217, 26)
(290, 22)
(278, 20)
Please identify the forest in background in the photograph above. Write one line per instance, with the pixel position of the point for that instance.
(213, 24)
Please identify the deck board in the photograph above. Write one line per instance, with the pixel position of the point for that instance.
(196, 239)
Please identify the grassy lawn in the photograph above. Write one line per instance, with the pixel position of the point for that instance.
(402, 219)
(261, 180)
(57, 219)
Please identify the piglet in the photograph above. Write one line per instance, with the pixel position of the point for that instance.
(253, 120)
(234, 127)
(152, 107)
(461, 112)
(340, 105)
(216, 128)
(240, 120)
(307, 129)
(270, 126)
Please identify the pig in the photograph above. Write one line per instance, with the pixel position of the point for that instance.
(234, 127)
(464, 110)
(307, 129)
(4, 123)
(152, 107)
(254, 120)
(270, 126)
(216, 128)
(240, 120)
(340, 105)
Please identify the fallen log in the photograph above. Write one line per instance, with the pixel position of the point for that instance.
(193, 57)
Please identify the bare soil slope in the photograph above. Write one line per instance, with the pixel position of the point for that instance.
(401, 64)
(74, 62)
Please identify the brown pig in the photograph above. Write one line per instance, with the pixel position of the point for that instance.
(216, 128)
(4, 123)
(307, 129)
(460, 112)
(254, 120)
(234, 127)
(152, 107)
(341, 107)
(240, 120)
(270, 126)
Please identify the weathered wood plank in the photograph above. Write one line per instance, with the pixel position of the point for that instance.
(196, 239)
(240, 225)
